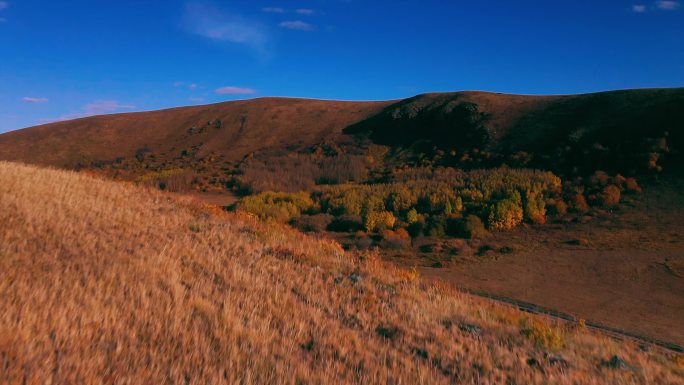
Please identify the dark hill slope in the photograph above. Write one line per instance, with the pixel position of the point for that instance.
(619, 130)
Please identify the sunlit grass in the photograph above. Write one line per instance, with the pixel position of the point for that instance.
(109, 283)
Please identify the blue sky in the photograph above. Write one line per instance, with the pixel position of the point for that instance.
(68, 59)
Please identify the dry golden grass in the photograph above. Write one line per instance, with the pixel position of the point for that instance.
(105, 283)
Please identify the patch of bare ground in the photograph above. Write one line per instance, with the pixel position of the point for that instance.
(108, 283)
(624, 269)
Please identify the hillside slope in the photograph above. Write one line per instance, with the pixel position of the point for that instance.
(107, 283)
(231, 129)
(618, 131)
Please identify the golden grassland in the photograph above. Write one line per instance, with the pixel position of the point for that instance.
(107, 283)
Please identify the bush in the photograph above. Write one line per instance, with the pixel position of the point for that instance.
(378, 221)
(542, 334)
(281, 207)
(363, 241)
(610, 196)
(401, 199)
(436, 226)
(631, 186)
(505, 214)
(395, 240)
(557, 206)
(316, 223)
(416, 229)
(349, 201)
(535, 207)
(412, 216)
(346, 224)
(471, 227)
(579, 203)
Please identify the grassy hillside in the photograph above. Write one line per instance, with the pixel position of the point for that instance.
(630, 131)
(108, 283)
(228, 130)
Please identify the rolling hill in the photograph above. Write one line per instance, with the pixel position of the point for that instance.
(617, 131)
(104, 282)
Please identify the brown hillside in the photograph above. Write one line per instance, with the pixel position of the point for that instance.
(245, 127)
(616, 131)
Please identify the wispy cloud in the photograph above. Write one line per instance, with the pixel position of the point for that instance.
(297, 25)
(3, 5)
(30, 99)
(105, 107)
(196, 100)
(230, 90)
(639, 8)
(667, 5)
(99, 107)
(190, 86)
(217, 25)
(273, 10)
(305, 11)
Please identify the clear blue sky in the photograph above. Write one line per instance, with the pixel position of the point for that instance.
(72, 58)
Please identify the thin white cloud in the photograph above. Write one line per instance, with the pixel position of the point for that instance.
(196, 99)
(105, 107)
(4, 5)
(273, 10)
(2, 20)
(99, 107)
(639, 8)
(297, 25)
(667, 5)
(235, 91)
(226, 27)
(190, 86)
(31, 99)
(305, 11)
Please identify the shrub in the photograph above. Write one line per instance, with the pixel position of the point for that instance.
(374, 202)
(416, 229)
(579, 203)
(471, 227)
(402, 233)
(440, 199)
(348, 201)
(505, 214)
(535, 207)
(378, 221)
(631, 185)
(599, 179)
(363, 241)
(346, 223)
(401, 199)
(542, 334)
(395, 240)
(315, 223)
(610, 196)
(281, 207)
(557, 206)
(436, 226)
(412, 216)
